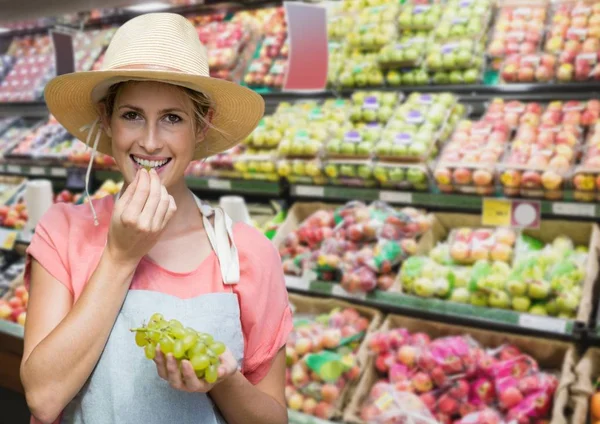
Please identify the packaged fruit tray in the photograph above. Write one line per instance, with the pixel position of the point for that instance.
(405, 146)
(36, 140)
(361, 71)
(404, 53)
(528, 68)
(354, 144)
(350, 172)
(586, 175)
(464, 18)
(302, 171)
(372, 36)
(472, 75)
(419, 16)
(380, 14)
(373, 106)
(303, 143)
(340, 25)
(469, 245)
(402, 176)
(453, 55)
(440, 373)
(325, 353)
(519, 28)
(258, 166)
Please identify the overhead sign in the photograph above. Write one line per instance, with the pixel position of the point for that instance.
(308, 56)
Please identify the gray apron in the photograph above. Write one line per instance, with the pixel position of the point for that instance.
(124, 387)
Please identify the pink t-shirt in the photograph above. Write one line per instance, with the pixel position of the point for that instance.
(68, 245)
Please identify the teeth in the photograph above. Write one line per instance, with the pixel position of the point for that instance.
(149, 163)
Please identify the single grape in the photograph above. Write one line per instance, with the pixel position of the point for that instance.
(155, 336)
(166, 344)
(177, 332)
(140, 339)
(198, 349)
(211, 374)
(150, 350)
(156, 318)
(214, 360)
(189, 341)
(218, 348)
(175, 324)
(206, 338)
(178, 350)
(200, 373)
(200, 362)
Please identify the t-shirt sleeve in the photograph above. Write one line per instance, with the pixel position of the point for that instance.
(49, 246)
(265, 309)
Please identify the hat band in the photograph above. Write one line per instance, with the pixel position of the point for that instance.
(145, 67)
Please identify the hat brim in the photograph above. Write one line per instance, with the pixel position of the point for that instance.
(72, 99)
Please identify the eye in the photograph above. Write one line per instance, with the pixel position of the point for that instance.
(130, 116)
(172, 118)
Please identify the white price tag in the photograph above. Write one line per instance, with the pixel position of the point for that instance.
(550, 324)
(340, 291)
(13, 169)
(395, 197)
(310, 191)
(219, 184)
(58, 172)
(37, 170)
(573, 209)
(298, 283)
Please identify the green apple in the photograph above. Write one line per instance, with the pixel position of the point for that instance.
(358, 97)
(298, 168)
(360, 80)
(499, 299)
(424, 287)
(331, 170)
(348, 148)
(539, 290)
(393, 78)
(284, 147)
(463, 58)
(421, 77)
(284, 169)
(369, 115)
(516, 287)
(552, 307)
(346, 79)
(408, 78)
(461, 277)
(334, 146)
(521, 303)
(539, 309)
(389, 99)
(567, 302)
(460, 295)
(364, 148)
(479, 299)
(419, 20)
(399, 150)
(441, 78)
(365, 172)
(448, 61)
(380, 173)
(384, 113)
(416, 175)
(383, 148)
(471, 76)
(396, 174)
(455, 77)
(417, 149)
(311, 148)
(434, 61)
(347, 170)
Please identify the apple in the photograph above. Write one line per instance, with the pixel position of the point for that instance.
(521, 303)
(499, 299)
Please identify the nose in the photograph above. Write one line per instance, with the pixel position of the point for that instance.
(150, 140)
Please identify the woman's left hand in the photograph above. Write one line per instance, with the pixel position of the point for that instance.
(184, 378)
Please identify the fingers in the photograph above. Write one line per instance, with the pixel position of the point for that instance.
(146, 217)
(173, 373)
(191, 381)
(128, 193)
(161, 209)
(161, 366)
(135, 206)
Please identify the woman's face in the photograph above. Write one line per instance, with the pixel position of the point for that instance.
(152, 126)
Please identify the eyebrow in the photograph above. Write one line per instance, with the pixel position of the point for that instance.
(162, 112)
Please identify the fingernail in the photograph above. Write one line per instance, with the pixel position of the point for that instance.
(153, 171)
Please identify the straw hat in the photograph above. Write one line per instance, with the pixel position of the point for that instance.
(155, 47)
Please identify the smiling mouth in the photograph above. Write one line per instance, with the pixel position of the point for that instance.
(150, 164)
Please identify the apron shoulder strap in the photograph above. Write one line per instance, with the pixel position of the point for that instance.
(221, 239)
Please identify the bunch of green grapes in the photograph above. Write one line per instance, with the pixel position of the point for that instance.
(184, 343)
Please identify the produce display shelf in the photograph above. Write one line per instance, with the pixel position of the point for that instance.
(273, 188)
(56, 171)
(436, 200)
(445, 311)
(296, 417)
(11, 329)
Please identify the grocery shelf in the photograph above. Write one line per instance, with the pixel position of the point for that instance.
(430, 200)
(441, 310)
(27, 170)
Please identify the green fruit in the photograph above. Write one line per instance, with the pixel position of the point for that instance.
(539, 290)
(516, 287)
(521, 303)
(479, 299)
(499, 299)
(424, 287)
(460, 295)
(538, 310)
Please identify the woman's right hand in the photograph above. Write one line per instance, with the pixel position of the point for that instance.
(139, 216)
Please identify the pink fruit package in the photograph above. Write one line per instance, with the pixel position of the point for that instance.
(486, 416)
(388, 406)
(536, 405)
(454, 354)
(361, 279)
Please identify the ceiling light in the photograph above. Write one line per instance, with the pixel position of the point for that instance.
(148, 7)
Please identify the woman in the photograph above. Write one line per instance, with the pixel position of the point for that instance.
(96, 271)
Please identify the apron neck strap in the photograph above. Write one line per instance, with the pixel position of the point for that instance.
(221, 239)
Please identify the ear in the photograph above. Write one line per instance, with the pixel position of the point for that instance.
(209, 119)
(104, 119)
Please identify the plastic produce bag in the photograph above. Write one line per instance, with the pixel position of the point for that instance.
(388, 406)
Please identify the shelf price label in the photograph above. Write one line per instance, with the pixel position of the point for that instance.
(309, 191)
(511, 213)
(216, 184)
(37, 170)
(298, 283)
(549, 324)
(395, 197)
(573, 209)
(338, 290)
(58, 172)
(13, 169)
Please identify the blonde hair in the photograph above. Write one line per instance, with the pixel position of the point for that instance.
(202, 105)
